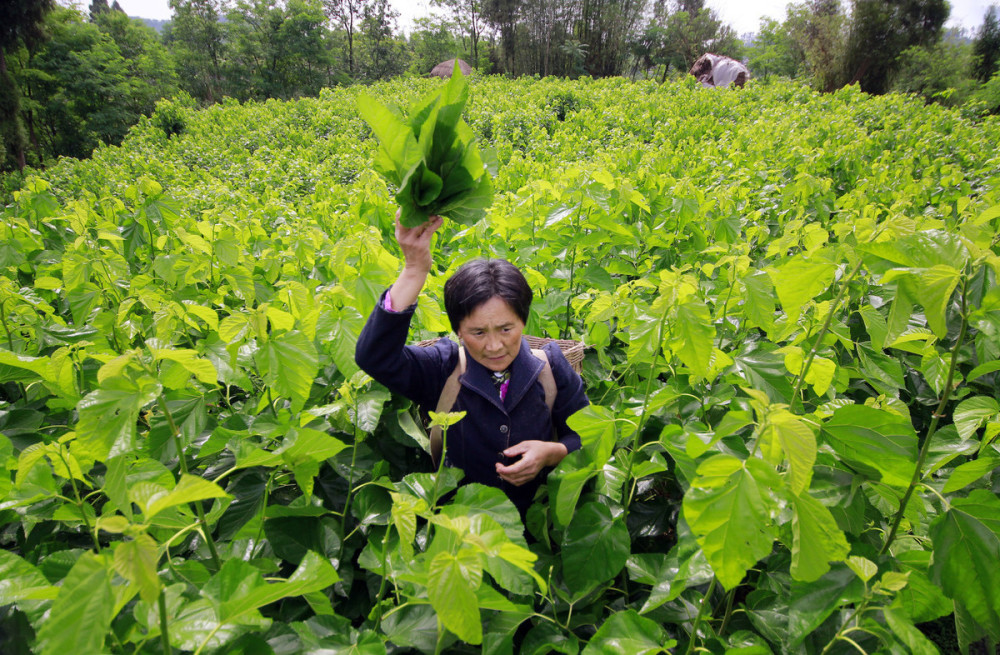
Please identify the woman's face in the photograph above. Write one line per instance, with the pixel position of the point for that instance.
(492, 334)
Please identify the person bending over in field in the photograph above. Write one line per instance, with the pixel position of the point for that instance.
(506, 438)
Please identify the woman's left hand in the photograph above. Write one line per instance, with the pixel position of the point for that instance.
(535, 455)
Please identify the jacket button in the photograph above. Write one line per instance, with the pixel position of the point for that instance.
(503, 429)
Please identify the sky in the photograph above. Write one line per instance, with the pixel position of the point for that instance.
(743, 15)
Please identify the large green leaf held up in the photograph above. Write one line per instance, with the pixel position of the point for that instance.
(431, 156)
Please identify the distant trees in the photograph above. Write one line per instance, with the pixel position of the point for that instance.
(347, 15)
(818, 29)
(277, 50)
(469, 20)
(383, 52)
(87, 83)
(677, 34)
(880, 30)
(196, 37)
(20, 29)
(80, 88)
(986, 49)
(774, 51)
(434, 39)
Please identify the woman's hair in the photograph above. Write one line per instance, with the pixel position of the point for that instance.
(477, 281)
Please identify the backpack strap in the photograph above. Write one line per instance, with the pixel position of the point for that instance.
(453, 385)
(546, 378)
(445, 402)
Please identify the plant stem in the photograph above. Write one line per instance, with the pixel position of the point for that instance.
(80, 503)
(729, 295)
(199, 510)
(569, 298)
(730, 598)
(701, 613)
(822, 333)
(6, 328)
(938, 415)
(350, 475)
(164, 636)
(841, 632)
(645, 404)
(385, 576)
(439, 646)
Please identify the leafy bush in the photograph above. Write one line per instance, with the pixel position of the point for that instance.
(791, 306)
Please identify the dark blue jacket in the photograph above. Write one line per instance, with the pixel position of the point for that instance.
(490, 426)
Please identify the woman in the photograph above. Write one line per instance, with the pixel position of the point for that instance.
(505, 439)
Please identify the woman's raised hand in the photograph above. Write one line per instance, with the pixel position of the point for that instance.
(415, 242)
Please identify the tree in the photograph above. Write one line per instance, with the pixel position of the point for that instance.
(20, 26)
(881, 30)
(936, 72)
(605, 28)
(432, 41)
(502, 15)
(468, 16)
(197, 39)
(819, 30)
(278, 51)
(774, 51)
(685, 36)
(347, 15)
(986, 47)
(384, 54)
(80, 89)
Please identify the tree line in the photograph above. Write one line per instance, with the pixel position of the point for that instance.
(72, 78)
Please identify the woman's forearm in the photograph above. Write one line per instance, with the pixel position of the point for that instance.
(415, 242)
(406, 288)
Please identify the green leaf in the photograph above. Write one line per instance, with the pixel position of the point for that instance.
(669, 575)
(799, 281)
(595, 547)
(566, 484)
(973, 413)
(813, 602)
(136, 561)
(451, 587)
(759, 302)
(81, 614)
(288, 364)
(796, 441)
(966, 474)
(966, 550)
(983, 369)
(596, 427)
(695, 337)
(314, 573)
(627, 633)
(305, 444)
(202, 369)
(342, 339)
(189, 489)
(817, 540)
(920, 250)
(729, 513)
(936, 286)
(108, 418)
(20, 581)
(875, 441)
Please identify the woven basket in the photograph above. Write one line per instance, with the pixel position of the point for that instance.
(572, 350)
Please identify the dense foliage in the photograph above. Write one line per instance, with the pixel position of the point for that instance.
(794, 326)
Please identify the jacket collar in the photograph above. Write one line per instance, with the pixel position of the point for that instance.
(524, 371)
